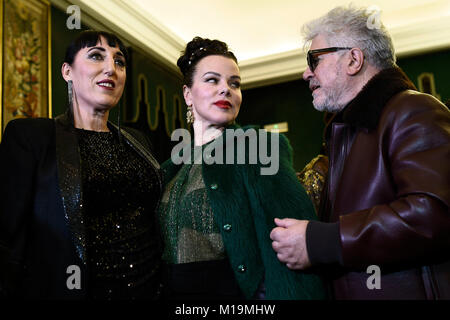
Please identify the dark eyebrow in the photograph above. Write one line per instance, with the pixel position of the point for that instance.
(119, 53)
(214, 73)
(218, 75)
(98, 48)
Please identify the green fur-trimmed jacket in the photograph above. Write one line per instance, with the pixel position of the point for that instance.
(245, 203)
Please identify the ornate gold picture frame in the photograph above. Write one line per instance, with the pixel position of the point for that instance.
(25, 60)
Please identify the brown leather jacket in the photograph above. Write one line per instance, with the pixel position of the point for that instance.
(387, 195)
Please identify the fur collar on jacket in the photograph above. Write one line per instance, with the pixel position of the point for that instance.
(365, 109)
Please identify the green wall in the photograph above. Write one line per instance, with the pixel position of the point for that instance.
(437, 63)
(154, 102)
(286, 102)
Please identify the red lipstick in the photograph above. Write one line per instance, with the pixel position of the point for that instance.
(223, 104)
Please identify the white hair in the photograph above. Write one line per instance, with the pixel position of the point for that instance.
(349, 27)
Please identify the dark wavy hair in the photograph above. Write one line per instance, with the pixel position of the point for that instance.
(89, 38)
(197, 49)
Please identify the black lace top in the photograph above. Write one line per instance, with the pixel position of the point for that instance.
(120, 192)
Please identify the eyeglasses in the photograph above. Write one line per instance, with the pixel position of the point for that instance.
(313, 55)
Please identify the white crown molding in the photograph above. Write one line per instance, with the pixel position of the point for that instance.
(86, 19)
(152, 37)
(428, 35)
(271, 69)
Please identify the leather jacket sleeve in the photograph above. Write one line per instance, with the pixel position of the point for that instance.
(414, 228)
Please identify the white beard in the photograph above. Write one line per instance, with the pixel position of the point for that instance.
(335, 97)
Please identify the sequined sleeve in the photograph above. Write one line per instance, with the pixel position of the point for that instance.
(312, 177)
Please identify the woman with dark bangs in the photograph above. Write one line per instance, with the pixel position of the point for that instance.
(77, 193)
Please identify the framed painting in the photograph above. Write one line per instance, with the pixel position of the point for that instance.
(25, 64)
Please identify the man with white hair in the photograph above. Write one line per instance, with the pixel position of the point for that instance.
(385, 223)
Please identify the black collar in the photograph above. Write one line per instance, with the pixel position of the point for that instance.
(365, 109)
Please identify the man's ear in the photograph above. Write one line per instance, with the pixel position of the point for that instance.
(66, 71)
(356, 61)
(187, 95)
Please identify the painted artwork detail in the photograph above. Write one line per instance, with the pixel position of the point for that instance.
(25, 60)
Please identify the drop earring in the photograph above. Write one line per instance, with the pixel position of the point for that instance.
(70, 93)
(190, 115)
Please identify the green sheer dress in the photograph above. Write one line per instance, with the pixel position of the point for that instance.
(196, 261)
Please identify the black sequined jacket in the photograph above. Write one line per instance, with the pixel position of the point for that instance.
(41, 205)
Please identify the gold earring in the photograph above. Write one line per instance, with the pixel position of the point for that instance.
(189, 115)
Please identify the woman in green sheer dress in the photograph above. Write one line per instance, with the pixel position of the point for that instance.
(216, 217)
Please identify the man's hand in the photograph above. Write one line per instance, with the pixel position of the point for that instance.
(288, 241)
